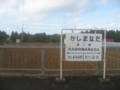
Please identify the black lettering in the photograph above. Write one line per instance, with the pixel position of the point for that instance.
(97, 38)
(77, 44)
(89, 44)
(76, 56)
(93, 57)
(97, 49)
(89, 57)
(94, 49)
(85, 38)
(78, 48)
(75, 49)
(69, 49)
(80, 57)
(72, 49)
(85, 57)
(78, 39)
(91, 38)
(82, 49)
(88, 49)
(97, 57)
(91, 49)
(69, 56)
(72, 38)
(73, 57)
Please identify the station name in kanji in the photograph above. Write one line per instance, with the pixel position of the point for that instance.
(85, 38)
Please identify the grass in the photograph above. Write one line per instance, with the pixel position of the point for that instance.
(1, 43)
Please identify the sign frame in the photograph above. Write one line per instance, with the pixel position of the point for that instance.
(73, 29)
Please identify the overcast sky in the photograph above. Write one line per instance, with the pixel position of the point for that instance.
(50, 16)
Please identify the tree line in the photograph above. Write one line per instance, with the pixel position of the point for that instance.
(27, 37)
(43, 37)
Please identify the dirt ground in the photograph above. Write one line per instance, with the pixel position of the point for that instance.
(30, 58)
(72, 83)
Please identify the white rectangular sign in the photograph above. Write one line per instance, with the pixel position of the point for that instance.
(17, 40)
(83, 47)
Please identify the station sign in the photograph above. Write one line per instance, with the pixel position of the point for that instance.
(83, 47)
(17, 40)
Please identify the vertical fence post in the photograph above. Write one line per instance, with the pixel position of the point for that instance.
(104, 67)
(97, 64)
(0, 58)
(42, 61)
(119, 57)
(97, 67)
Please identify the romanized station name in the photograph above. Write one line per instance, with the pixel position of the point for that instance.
(83, 49)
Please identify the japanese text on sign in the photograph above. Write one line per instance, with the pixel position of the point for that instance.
(83, 47)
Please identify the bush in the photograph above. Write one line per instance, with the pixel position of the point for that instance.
(1, 44)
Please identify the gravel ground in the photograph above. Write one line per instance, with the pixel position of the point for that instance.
(72, 83)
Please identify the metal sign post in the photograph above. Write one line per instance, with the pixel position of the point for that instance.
(61, 55)
(104, 54)
(83, 47)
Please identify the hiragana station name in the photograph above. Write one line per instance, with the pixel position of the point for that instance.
(85, 38)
